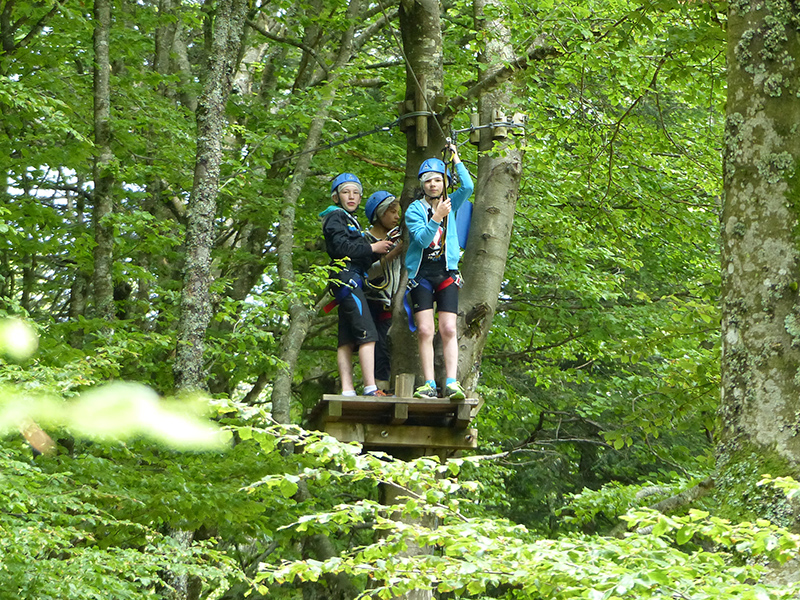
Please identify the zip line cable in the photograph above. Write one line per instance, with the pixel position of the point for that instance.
(386, 126)
(377, 129)
(349, 138)
(355, 136)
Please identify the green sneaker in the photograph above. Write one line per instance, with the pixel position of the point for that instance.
(455, 391)
(426, 390)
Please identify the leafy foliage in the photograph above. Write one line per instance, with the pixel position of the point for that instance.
(599, 375)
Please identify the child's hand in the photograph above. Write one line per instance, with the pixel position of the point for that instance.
(442, 210)
(454, 152)
(381, 246)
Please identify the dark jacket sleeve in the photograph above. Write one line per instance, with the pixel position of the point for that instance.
(343, 239)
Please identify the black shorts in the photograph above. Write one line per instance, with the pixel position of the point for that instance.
(356, 326)
(446, 298)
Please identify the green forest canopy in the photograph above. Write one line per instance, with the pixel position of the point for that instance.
(600, 374)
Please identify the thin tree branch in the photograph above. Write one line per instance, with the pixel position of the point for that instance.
(291, 42)
(536, 52)
(671, 504)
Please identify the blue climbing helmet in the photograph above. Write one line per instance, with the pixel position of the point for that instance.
(373, 202)
(344, 178)
(432, 165)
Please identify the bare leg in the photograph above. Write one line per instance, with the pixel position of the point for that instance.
(425, 333)
(448, 331)
(344, 360)
(366, 356)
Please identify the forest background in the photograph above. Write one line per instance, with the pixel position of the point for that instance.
(165, 163)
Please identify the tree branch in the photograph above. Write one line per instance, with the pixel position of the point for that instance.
(291, 42)
(671, 504)
(536, 52)
(375, 27)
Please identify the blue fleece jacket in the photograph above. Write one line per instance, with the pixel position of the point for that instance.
(422, 230)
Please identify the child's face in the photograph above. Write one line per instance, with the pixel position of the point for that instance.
(349, 197)
(391, 217)
(434, 186)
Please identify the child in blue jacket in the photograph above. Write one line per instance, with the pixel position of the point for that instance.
(432, 265)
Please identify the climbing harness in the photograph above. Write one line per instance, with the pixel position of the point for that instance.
(412, 283)
(345, 289)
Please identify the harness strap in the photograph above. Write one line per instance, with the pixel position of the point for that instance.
(342, 291)
(445, 283)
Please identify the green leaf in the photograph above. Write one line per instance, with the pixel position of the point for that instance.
(683, 535)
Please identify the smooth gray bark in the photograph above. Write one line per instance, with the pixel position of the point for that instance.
(103, 176)
(760, 258)
(497, 190)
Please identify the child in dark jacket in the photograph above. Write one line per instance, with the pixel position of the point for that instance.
(344, 241)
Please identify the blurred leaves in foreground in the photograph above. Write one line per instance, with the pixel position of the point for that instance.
(117, 410)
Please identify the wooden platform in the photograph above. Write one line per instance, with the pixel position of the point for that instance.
(380, 423)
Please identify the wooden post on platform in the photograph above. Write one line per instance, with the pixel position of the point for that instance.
(404, 385)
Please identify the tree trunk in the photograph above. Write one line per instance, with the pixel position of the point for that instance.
(29, 264)
(165, 38)
(760, 271)
(228, 29)
(103, 177)
(80, 278)
(497, 189)
(183, 68)
(154, 201)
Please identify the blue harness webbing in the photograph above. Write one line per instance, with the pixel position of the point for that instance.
(343, 290)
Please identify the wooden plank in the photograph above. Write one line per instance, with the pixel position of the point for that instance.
(400, 414)
(371, 403)
(432, 412)
(379, 401)
(421, 105)
(463, 415)
(332, 411)
(387, 436)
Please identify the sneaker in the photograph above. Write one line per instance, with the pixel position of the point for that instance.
(455, 391)
(378, 393)
(426, 390)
